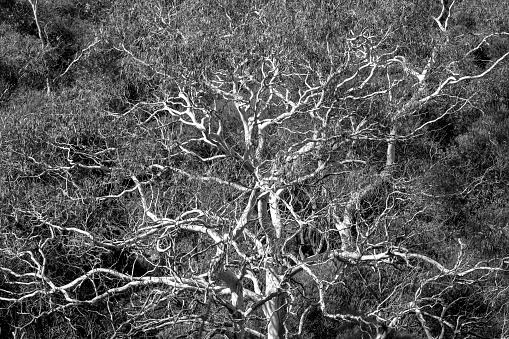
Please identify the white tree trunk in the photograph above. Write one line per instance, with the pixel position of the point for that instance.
(275, 309)
(391, 147)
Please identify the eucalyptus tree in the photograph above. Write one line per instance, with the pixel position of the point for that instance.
(263, 176)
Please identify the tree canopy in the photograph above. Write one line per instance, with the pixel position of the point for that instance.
(254, 169)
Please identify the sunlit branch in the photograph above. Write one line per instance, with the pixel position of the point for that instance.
(204, 178)
(453, 80)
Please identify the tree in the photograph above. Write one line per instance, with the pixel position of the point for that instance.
(278, 175)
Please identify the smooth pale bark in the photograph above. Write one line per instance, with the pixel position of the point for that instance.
(275, 215)
(274, 309)
(34, 4)
(391, 147)
(237, 300)
(344, 228)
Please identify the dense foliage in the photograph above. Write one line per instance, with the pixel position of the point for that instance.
(259, 169)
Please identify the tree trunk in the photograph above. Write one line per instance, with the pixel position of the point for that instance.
(391, 147)
(275, 309)
(34, 4)
(237, 300)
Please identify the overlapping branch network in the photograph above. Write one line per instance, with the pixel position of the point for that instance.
(307, 117)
